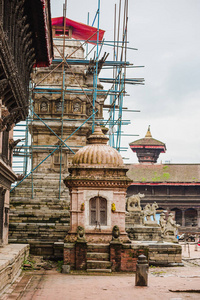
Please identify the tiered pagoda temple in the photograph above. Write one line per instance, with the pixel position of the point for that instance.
(175, 187)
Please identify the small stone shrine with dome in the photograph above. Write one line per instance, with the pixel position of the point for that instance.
(97, 183)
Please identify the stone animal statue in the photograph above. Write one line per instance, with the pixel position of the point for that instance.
(171, 226)
(150, 211)
(80, 234)
(133, 202)
(115, 233)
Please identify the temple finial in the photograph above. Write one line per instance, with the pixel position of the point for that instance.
(148, 134)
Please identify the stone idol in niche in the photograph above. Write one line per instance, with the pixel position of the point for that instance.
(77, 107)
(59, 106)
(44, 106)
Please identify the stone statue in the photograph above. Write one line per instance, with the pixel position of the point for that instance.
(168, 228)
(133, 202)
(162, 223)
(115, 234)
(77, 107)
(80, 234)
(171, 226)
(150, 211)
(44, 106)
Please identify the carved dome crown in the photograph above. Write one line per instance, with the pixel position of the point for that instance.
(98, 153)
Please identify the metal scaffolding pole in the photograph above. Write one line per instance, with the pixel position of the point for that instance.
(116, 92)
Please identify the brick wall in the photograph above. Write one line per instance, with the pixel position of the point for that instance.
(69, 255)
(124, 256)
(81, 256)
(75, 255)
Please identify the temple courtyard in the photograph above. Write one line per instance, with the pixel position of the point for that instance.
(163, 283)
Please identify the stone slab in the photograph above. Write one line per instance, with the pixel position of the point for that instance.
(11, 259)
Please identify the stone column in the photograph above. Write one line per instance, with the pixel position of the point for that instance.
(183, 217)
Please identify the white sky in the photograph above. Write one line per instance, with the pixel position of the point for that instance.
(166, 33)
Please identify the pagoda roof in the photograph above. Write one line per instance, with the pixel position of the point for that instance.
(39, 17)
(80, 31)
(164, 174)
(148, 142)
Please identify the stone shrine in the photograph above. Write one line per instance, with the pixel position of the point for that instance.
(97, 185)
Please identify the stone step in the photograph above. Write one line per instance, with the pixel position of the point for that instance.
(97, 264)
(98, 256)
(98, 248)
(99, 270)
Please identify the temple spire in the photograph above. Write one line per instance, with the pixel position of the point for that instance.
(148, 149)
(148, 134)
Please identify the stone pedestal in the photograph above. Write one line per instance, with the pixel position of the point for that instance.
(140, 230)
(141, 277)
(144, 233)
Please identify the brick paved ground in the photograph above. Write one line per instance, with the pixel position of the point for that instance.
(163, 282)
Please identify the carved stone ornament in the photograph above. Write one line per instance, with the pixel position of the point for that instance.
(80, 234)
(171, 227)
(148, 212)
(115, 234)
(89, 110)
(58, 106)
(162, 223)
(77, 107)
(133, 202)
(44, 106)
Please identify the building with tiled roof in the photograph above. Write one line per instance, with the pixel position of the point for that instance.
(175, 187)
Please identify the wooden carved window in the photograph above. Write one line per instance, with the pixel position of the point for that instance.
(98, 211)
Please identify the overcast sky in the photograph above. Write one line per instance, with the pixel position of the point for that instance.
(167, 36)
